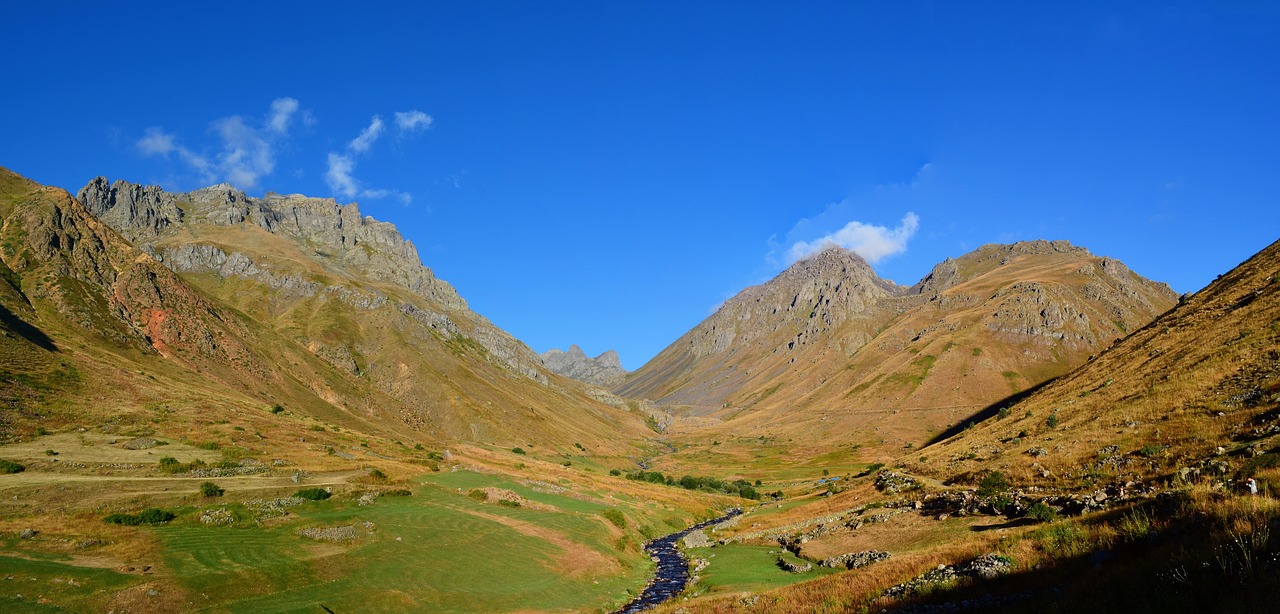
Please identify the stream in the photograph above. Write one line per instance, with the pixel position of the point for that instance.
(673, 568)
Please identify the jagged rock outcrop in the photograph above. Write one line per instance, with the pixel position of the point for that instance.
(337, 236)
(603, 370)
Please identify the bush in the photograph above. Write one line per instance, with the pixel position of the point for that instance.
(50, 453)
(8, 466)
(209, 489)
(1150, 450)
(616, 517)
(477, 494)
(1042, 511)
(993, 484)
(397, 492)
(313, 494)
(518, 450)
(377, 475)
(148, 516)
(277, 409)
(508, 503)
(1052, 420)
(615, 472)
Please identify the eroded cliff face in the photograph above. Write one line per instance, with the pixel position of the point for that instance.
(174, 228)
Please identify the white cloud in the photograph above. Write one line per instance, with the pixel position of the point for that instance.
(282, 110)
(412, 121)
(156, 142)
(246, 152)
(339, 175)
(367, 137)
(873, 243)
(344, 184)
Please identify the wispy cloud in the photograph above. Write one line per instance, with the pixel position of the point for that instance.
(873, 243)
(246, 155)
(412, 121)
(282, 110)
(339, 175)
(341, 166)
(367, 137)
(246, 152)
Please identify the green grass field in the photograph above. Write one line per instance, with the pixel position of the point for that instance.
(738, 567)
(438, 550)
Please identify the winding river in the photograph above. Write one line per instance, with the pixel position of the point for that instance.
(673, 568)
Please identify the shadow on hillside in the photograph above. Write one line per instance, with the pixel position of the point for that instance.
(1016, 522)
(989, 411)
(1173, 572)
(25, 330)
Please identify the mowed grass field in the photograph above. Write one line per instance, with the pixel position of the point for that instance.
(439, 550)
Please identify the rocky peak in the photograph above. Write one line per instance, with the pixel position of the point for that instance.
(603, 370)
(339, 234)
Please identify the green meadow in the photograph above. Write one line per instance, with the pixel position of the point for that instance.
(441, 549)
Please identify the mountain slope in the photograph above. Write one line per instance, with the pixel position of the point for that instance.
(286, 300)
(827, 348)
(1204, 376)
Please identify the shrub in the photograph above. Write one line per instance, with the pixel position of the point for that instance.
(148, 516)
(277, 409)
(1052, 420)
(993, 484)
(377, 475)
(8, 466)
(1002, 413)
(518, 450)
(616, 517)
(397, 492)
(615, 472)
(50, 453)
(508, 503)
(209, 445)
(209, 489)
(477, 494)
(313, 494)
(1042, 511)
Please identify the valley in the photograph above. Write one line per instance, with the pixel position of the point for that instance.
(217, 402)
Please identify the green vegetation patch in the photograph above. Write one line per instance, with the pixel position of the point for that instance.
(738, 567)
(147, 516)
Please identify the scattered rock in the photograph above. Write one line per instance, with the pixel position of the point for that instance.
(141, 443)
(790, 567)
(854, 560)
(892, 482)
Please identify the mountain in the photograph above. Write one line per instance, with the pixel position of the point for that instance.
(284, 300)
(828, 349)
(603, 370)
(1195, 392)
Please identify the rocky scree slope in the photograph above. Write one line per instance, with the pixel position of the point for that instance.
(354, 293)
(603, 370)
(827, 348)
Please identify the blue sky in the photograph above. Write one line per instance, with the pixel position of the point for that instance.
(606, 173)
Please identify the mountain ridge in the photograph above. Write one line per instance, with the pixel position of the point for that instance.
(826, 345)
